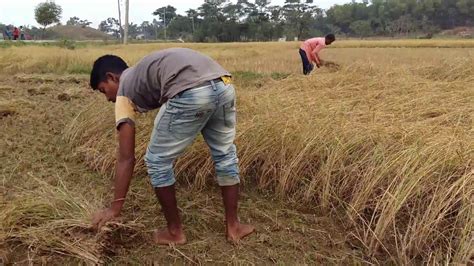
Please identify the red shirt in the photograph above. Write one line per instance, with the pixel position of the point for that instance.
(313, 46)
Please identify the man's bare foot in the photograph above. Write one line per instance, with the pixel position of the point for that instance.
(165, 237)
(238, 231)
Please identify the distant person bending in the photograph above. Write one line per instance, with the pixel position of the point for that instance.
(309, 51)
(195, 95)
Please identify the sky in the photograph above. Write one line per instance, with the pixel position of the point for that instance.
(21, 12)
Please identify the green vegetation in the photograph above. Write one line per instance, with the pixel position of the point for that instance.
(258, 20)
(47, 13)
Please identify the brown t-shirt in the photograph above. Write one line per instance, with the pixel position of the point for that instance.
(159, 77)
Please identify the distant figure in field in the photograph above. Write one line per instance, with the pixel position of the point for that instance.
(16, 33)
(8, 33)
(309, 51)
(195, 95)
(22, 33)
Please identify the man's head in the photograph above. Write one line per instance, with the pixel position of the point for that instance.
(105, 75)
(330, 38)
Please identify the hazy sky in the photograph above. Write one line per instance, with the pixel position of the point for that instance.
(21, 12)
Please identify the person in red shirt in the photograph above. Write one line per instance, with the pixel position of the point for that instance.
(16, 33)
(309, 51)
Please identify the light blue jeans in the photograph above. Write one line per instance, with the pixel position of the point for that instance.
(210, 110)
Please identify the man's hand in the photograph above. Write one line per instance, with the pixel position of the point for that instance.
(101, 217)
(318, 62)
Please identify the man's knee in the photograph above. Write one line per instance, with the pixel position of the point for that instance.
(160, 170)
(161, 175)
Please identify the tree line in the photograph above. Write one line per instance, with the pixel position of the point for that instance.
(259, 20)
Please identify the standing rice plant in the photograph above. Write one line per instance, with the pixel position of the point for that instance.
(391, 145)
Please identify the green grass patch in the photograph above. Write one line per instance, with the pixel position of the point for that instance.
(279, 75)
(247, 75)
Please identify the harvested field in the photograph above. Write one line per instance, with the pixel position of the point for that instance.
(367, 160)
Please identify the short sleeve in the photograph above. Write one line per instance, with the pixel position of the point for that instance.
(124, 111)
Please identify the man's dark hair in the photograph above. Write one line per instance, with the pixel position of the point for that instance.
(104, 64)
(330, 37)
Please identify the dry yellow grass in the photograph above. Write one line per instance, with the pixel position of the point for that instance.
(55, 220)
(386, 139)
(413, 43)
(12, 107)
(257, 57)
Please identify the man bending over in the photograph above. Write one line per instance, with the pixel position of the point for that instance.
(195, 95)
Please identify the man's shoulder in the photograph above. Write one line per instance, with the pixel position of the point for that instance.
(321, 40)
(125, 79)
(167, 52)
(315, 40)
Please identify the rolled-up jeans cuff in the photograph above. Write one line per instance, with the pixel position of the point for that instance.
(225, 181)
(156, 184)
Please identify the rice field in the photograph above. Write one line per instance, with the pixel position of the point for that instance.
(369, 160)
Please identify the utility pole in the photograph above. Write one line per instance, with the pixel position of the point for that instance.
(125, 35)
(120, 19)
(164, 20)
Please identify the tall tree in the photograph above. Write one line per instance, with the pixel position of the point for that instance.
(110, 26)
(47, 13)
(166, 14)
(299, 16)
(193, 15)
(213, 21)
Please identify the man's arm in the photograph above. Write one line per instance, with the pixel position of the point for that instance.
(123, 175)
(316, 57)
(319, 46)
(125, 164)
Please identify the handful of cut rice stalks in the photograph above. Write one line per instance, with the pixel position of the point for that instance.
(332, 66)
